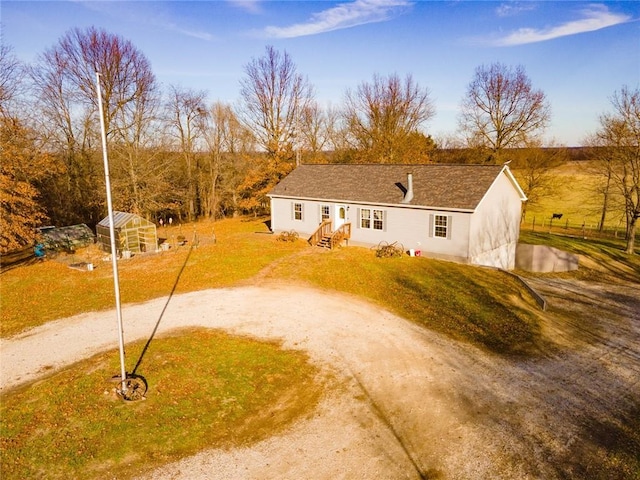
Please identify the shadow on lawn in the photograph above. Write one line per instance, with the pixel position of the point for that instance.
(164, 309)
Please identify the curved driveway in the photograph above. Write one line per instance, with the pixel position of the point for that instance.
(406, 402)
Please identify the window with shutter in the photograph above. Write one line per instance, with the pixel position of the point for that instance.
(440, 226)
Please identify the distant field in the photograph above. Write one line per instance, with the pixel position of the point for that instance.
(575, 196)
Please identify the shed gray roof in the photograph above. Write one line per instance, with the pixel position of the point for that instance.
(437, 185)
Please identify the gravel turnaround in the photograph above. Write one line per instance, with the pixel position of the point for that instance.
(404, 402)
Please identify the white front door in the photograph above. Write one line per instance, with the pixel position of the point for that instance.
(340, 216)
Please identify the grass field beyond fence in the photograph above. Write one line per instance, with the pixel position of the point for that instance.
(574, 193)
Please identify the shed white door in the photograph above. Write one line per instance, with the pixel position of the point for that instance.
(340, 215)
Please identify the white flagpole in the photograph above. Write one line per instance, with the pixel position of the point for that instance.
(112, 233)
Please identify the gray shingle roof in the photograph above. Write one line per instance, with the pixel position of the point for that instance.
(439, 186)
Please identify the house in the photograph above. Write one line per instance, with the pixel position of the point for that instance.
(465, 213)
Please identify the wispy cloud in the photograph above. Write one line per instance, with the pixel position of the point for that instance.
(594, 17)
(514, 8)
(344, 15)
(250, 6)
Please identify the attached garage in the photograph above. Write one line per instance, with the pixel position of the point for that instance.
(133, 233)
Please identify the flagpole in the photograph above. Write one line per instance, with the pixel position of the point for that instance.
(114, 258)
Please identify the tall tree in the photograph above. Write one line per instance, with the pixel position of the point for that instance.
(185, 111)
(384, 120)
(619, 132)
(11, 79)
(602, 165)
(228, 146)
(501, 109)
(274, 95)
(65, 78)
(314, 132)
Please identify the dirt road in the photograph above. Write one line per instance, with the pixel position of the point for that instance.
(406, 402)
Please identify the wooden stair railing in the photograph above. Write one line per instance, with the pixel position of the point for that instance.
(323, 230)
(342, 233)
(324, 237)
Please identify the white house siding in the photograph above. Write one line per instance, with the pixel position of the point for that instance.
(411, 228)
(282, 217)
(405, 225)
(495, 226)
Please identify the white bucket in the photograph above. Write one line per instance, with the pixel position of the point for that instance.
(412, 252)
(90, 267)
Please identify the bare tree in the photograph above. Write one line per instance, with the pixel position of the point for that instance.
(11, 79)
(228, 144)
(274, 96)
(501, 110)
(620, 133)
(65, 77)
(185, 111)
(602, 165)
(384, 120)
(314, 133)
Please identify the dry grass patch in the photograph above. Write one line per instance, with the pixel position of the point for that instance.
(482, 306)
(207, 389)
(41, 292)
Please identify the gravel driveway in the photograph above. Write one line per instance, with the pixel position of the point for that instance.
(406, 402)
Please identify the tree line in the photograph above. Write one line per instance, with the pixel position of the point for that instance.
(172, 153)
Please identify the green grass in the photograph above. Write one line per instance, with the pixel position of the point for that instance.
(208, 389)
(38, 293)
(482, 306)
(601, 259)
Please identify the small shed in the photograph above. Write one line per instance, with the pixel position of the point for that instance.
(133, 233)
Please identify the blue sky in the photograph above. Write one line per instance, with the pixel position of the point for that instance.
(578, 53)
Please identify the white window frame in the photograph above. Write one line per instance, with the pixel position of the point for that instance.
(298, 211)
(372, 219)
(325, 212)
(365, 218)
(378, 220)
(441, 226)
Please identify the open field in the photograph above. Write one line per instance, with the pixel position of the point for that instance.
(480, 384)
(574, 194)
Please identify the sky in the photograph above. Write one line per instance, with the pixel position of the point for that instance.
(578, 53)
